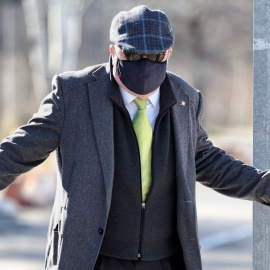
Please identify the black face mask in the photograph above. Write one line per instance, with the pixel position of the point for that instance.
(141, 77)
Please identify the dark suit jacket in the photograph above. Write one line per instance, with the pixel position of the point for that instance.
(76, 120)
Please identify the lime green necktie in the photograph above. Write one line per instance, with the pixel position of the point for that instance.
(144, 135)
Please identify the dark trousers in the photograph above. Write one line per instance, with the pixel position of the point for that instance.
(174, 262)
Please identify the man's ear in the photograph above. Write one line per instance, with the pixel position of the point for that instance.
(169, 53)
(112, 50)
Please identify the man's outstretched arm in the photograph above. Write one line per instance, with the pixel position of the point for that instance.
(229, 176)
(31, 144)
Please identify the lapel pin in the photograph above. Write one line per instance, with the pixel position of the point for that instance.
(183, 103)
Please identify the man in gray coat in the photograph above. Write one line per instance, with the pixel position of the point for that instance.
(130, 145)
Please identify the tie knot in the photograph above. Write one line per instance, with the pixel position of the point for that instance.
(141, 103)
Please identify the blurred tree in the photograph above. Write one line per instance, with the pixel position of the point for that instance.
(54, 38)
(64, 33)
(35, 21)
(53, 30)
(9, 63)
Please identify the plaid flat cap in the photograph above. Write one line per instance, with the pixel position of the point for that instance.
(142, 30)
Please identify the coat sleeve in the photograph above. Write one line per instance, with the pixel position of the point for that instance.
(32, 143)
(223, 173)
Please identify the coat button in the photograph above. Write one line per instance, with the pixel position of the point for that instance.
(100, 231)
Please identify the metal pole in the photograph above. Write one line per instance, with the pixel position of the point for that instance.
(261, 49)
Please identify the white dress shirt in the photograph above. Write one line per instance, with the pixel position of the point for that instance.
(152, 105)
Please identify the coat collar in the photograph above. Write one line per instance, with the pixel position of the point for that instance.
(100, 72)
(167, 97)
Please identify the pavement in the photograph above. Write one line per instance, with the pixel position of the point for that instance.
(23, 238)
(225, 228)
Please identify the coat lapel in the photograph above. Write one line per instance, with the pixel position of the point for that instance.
(181, 121)
(102, 115)
(181, 125)
(181, 118)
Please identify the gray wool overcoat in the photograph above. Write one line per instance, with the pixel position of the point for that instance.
(76, 121)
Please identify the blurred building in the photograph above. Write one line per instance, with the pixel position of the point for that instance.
(212, 51)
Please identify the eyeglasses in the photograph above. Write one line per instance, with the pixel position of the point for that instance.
(153, 57)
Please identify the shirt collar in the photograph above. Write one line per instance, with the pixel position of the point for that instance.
(128, 97)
